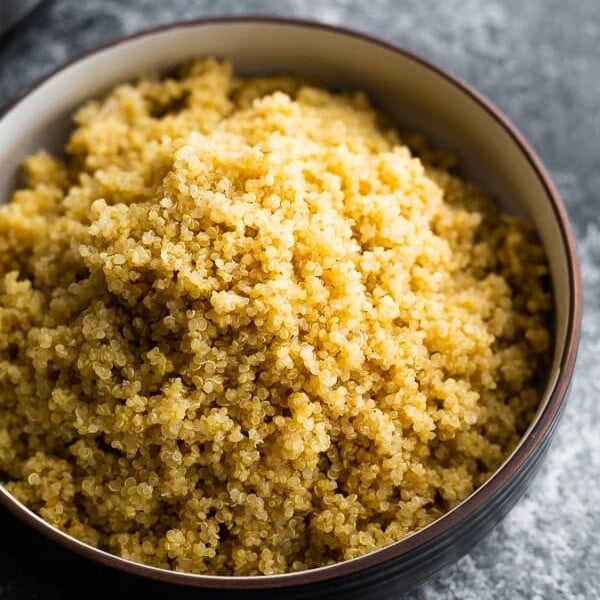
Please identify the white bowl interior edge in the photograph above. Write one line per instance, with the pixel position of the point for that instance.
(414, 95)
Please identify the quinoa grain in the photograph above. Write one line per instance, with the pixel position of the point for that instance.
(245, 330)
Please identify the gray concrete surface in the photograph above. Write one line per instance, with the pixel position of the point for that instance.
(540, 62)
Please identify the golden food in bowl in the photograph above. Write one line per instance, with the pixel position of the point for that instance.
(247, 327)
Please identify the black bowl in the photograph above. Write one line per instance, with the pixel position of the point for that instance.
(416, 92)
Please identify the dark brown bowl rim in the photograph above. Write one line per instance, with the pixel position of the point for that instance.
(477, 499)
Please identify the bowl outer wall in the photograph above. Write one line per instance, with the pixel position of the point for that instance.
(417, 94)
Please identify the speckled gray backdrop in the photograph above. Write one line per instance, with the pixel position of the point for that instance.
(540, 62)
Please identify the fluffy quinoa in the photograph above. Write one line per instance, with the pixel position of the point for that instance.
(244, 329)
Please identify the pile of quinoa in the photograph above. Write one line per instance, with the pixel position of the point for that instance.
(244, 329)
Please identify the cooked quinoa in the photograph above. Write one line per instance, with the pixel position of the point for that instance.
(244, 329)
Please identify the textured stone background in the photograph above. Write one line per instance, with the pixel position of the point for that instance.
(538, 60)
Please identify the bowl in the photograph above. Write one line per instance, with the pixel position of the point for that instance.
(418, 95)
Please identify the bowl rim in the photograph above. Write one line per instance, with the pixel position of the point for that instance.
(519, 458)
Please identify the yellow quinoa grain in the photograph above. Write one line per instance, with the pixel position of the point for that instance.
(244, 329)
